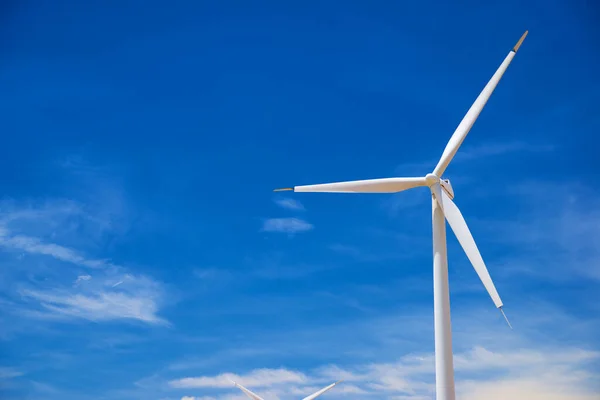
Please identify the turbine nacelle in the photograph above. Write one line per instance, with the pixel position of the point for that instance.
(445, 183)
(431, 180)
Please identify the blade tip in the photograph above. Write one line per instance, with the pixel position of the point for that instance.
(520, 42)
(284, 190)
(505, 317)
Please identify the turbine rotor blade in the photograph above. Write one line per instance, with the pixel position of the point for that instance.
(463, 234)
(385, 185)
(320, 392)
(247, 392)
(469, 119)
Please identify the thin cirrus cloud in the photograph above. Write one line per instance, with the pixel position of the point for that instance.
(107, 292)
(286, 225)
(567, 228)
(9, 373)
(263, 377)
(289, 204)
(95, 306)
(34, 245)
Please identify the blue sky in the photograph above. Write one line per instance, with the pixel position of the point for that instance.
(144, 254)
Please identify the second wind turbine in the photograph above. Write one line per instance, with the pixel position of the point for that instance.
(443, 208)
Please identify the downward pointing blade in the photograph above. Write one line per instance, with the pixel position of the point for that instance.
(320, 392)
(469, 119)
(463, 234)
(385, 185)
(247, 392)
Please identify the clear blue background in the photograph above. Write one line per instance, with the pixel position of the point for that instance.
(151, 134)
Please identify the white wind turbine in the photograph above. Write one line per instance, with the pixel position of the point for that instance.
(313, 396)
(443, 207)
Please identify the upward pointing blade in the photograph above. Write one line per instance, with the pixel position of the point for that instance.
(320, 392)
(385, 185)
(469, 119)
(463, 234)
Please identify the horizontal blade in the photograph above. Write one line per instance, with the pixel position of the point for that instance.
(469, 119)
(247, 392)
(463, 234)
(385, 185)
(320, 392)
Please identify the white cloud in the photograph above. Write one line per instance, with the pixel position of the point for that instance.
(557, 374)
(286, 225)
(290, 204)
(198, 398)
(258, 378)
(82, 278)
(137, 300)
(58, 292)
(523, 389)
(480, 358)
(36, 246)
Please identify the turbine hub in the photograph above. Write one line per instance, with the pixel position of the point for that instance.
(431, 179)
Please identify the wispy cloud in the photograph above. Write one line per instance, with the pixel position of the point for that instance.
(198, 398)
(290, 204)
(485, 357)
(34, 245)
(136, 299)
(567, 228)
(9, 373)
(562, 373)
(82, 278)
(286, 225)
(105, 292)
(257, 378)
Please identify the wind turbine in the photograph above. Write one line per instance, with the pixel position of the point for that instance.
(442, 207)
(313, 396)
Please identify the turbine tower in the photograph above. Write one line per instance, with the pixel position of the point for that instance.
(442, 208)
(254, 396)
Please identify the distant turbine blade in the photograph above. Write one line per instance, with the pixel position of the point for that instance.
(247, 392)
(320, 392)
(385, 185)
(469, 119)
(463, 234)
